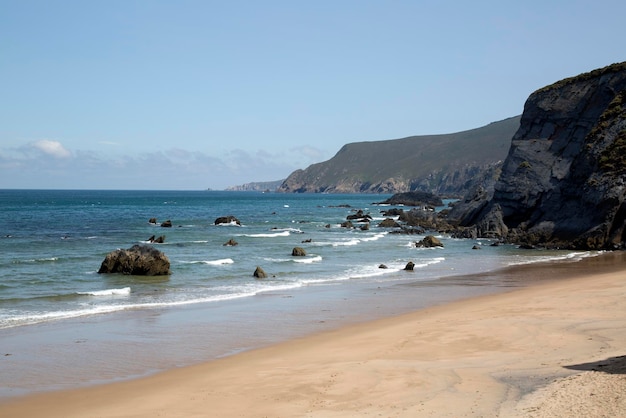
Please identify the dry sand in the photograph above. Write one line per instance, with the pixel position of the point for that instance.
(549, 350)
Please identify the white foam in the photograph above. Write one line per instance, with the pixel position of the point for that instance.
(308, 260)
(574, 256)
(217, 262)
(294, 230)
(107, 292)
(231, 223)
(272, 235)
(374, 237)
(347, 243)
(30, 318)
(426, 263)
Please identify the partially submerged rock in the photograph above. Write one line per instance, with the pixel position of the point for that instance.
(428, 242)
(415, 198)
(388, 223)
(230, 219)
(157, 240)
(141, 260)
(298, 252)
(259, 273)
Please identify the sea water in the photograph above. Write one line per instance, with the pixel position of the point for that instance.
(52, 243)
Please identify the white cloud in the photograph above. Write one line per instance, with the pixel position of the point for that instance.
(52, 148)
(48, 164)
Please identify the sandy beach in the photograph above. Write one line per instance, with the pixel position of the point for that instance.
(555, 348)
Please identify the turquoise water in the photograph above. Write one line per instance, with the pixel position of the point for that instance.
(54, 241)
(62, 324)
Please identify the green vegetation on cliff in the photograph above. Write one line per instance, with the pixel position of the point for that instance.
(444, 164)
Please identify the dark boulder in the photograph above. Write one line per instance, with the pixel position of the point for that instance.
(389, 223)
(425, 219)
(142, 260)
(392, 212)
(157, 240)
(428, 242)
(230, 243)
(259, 273)
(166, 224)
(417, 198)
(152, 221)
(359, 216)
(409, 266)
(230, 219)
(298, 252)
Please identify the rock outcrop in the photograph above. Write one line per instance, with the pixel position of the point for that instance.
(259, 273)
(417, 198)
(563, 181)
(230, 219)
(429, 241)
(142, 260)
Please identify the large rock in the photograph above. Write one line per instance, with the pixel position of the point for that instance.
(259, 273)
(230, 219)
(141, 260)
(563, 183)
(429, 241)
(388, 223)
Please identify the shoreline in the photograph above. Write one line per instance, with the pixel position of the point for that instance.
(500, 354)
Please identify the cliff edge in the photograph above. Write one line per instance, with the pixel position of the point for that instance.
(563, 181)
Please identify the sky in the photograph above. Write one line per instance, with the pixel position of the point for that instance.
(190, 95)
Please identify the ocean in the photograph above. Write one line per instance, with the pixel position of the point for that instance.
(63, 325)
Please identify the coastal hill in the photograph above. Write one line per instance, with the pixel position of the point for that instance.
(563, 183)
(449, 164)
(259, 186)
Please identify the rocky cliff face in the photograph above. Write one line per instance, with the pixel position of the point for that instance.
(563, 181)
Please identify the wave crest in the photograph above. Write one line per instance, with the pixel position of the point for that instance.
(107, 292)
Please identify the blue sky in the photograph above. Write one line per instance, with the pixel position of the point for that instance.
(208, 94)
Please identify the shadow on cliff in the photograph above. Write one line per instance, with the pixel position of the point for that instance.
(611, 365)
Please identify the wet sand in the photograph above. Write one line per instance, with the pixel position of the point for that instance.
(552, 348)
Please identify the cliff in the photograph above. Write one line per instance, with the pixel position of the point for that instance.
(448, 164)
(563, 181)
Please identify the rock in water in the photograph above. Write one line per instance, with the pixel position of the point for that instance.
(415, 198)
(141, 260)
(428, 242)
(259, 273)
(389, 223)
(230, 219)
(298, 252)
